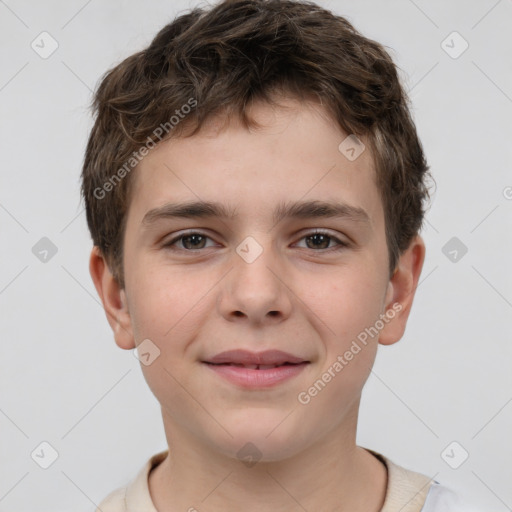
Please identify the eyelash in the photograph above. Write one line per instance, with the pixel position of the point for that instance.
(340, 244)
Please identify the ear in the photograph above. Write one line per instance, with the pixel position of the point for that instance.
(400, 292)
(113, 298)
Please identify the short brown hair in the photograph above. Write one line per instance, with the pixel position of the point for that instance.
(229, 55)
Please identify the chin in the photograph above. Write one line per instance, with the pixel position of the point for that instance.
(262, 435)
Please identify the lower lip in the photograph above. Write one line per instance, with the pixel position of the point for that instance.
(251, 378)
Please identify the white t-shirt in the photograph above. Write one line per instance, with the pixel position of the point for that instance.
(442, 499)
(407, 491)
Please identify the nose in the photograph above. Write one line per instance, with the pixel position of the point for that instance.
(257, 289)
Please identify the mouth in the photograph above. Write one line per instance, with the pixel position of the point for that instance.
(256, 366)
(252, 370)
(255, 360)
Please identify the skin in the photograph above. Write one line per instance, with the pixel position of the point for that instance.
(296, 296)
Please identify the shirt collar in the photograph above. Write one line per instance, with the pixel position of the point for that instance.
(405, 490)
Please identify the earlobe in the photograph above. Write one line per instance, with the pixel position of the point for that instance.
(401, 290)
(113, 298)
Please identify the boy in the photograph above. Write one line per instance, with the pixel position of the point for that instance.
(254, 188)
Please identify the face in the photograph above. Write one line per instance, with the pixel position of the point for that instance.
(258, 275)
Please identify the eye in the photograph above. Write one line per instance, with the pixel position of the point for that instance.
(189, 241)
(321, 240)
(317, 240)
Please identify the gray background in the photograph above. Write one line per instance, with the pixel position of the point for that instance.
(64, 381)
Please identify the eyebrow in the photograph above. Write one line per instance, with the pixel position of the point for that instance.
(284, 210)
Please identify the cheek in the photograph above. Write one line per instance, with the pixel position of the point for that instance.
(344, 301)
(160, 301)
(164, 314)
(346, 305)
(167, 307)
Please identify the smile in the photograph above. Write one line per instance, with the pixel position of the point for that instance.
(254, 366)
(257, 376)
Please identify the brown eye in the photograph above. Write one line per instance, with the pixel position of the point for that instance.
(188, 242)
(193, 241)
(320, 240)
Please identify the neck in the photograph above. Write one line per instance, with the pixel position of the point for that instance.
(332, 475)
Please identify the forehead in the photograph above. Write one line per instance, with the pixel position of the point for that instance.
(299, 152)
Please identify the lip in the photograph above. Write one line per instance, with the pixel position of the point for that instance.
(253, 379)
(230, 366)
(246, 357)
